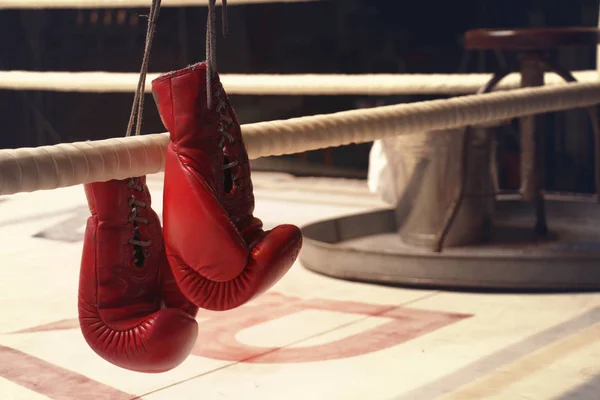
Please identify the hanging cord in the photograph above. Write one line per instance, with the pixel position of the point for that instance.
(211, 44)
(139, 246)
(138, 99)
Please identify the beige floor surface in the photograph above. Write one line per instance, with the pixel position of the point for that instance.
(316, 337)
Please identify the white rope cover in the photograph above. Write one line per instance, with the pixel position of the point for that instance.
(50, 167)
(80, 4)
(306, 84)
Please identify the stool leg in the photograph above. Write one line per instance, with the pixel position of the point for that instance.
(494, 162)
(464, 160)
(460, 193)
(532, 145)
(488, 87)
(593, 114)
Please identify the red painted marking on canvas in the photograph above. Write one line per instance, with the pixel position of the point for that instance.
(51, 380)
(218, 330)
(217, 335)
(63, 324)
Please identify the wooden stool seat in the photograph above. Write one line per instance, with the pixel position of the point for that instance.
(530, 39)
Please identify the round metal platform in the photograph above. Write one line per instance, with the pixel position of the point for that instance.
(367, 247)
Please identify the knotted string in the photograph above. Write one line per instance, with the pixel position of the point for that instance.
(138, 99)
(211, 44)
(139, 245)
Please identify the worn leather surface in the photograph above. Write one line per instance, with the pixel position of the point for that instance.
(219, 253)
(131, 311)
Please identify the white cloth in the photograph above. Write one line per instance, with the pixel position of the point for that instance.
(392, 162)
(380, 176)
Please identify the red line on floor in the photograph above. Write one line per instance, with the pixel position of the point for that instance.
(217, 336)
(51, 380)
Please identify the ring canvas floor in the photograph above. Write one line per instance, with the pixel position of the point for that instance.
(310, 337)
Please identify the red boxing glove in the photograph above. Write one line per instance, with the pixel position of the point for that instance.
(131, 311)
(218, 251)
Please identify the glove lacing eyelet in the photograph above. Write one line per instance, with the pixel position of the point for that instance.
(139, 246)
(224, 125)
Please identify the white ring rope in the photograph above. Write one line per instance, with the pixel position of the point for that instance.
(306, 84)
(51, 167)
(80, 4)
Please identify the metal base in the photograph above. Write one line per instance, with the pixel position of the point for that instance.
(367, 247)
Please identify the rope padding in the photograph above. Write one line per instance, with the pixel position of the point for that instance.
(94, 4)
(305, 84)
(51, 167)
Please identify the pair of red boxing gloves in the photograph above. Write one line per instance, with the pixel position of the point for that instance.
(139, 294)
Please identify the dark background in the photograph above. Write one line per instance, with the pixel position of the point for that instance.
(338, 36)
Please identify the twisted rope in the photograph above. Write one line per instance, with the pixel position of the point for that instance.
(51, 167)
(82, 4)
(307, 84)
